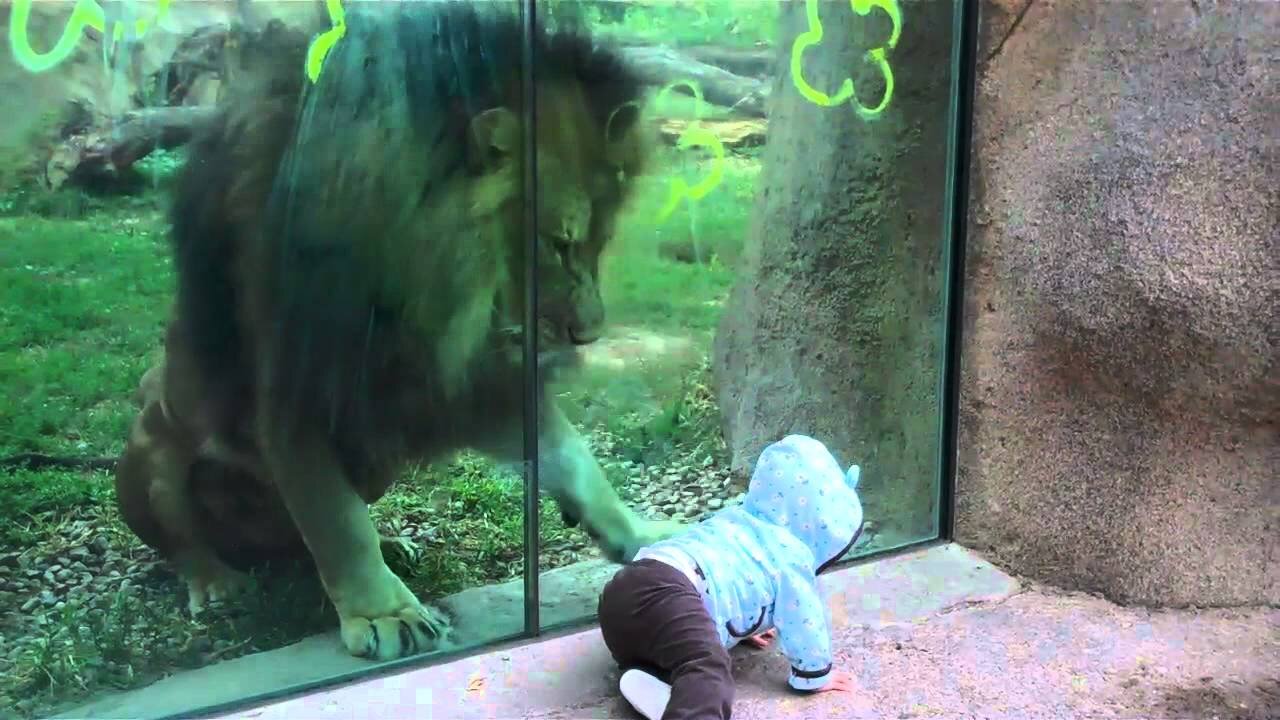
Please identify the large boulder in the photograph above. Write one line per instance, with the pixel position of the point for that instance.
(1120, 427)
(835, 329)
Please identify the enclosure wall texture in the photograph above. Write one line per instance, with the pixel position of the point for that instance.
(1120, 389)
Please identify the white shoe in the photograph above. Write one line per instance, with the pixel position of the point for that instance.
(646, 693)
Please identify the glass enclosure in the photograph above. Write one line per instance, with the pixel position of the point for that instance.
(270, 401)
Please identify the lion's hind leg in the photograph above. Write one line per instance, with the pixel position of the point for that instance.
(208, 580)
(154, 496)
(380, 617)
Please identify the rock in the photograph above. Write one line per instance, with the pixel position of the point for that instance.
(100, 545)
(30, 604)
(47, 598)
(844, 238)
(715, 503)
(1121, 391)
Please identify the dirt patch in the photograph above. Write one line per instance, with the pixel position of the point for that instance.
(628, 346)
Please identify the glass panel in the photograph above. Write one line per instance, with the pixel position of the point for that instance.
(778, 267)
(343, 303)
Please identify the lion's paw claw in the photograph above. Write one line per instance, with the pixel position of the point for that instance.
(409, 631)
(400, 550)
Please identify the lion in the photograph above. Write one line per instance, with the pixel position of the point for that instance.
(350, 272)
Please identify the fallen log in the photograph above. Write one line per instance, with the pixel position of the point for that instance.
(137, 133)
(108, 150)
(731, 133)
(747, 62)
(105, 149)
(660, 65)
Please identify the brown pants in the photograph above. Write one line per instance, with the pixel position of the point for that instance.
(652, 618)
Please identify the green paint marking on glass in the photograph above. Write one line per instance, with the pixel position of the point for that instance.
(878, 57)
(694, 136)
(86, 13)
(323, 43)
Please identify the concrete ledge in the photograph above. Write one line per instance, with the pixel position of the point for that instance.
(935, 632)
(905, 586)
(575, 671)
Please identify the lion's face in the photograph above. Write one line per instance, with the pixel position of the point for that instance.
(583, 176)
(574, 222)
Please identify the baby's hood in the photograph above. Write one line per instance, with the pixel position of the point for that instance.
(798, 485)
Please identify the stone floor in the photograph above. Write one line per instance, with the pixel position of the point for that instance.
(936, 632)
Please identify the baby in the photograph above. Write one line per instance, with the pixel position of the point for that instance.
(746, 573)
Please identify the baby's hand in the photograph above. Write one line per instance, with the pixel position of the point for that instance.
(762, 640)
(841, 681)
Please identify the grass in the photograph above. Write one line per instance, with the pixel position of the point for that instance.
(85, 287)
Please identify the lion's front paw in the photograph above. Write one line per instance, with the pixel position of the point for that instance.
(651, 531)
(645, 533)
(388, 622)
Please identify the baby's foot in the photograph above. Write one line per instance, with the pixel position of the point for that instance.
(646, 693)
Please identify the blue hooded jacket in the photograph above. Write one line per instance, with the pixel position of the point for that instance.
(761, 559)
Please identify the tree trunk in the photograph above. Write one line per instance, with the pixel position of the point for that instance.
(835, 327)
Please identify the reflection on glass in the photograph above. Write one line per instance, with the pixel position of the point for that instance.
(758, 289)
(329, 373)
(342, 303)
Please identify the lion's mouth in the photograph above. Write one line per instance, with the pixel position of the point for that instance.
(583, 337)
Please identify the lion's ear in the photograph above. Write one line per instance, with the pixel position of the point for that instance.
(621, 122)
(496, 134)
(623, 145)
